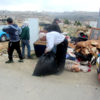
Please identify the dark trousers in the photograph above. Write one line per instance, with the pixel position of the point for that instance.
(11, 47)
(61, 54)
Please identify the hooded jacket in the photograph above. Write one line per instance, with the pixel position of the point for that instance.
(14, 31)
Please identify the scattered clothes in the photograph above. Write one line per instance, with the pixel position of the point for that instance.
(84, 62)
(88, 47)
(46, 65)
(70, 57)
(73, 39)
(72, 66)
(81, 37)
(84, 68)
(83, 57)
(70, 54)
(76, 67)
(98, 65)
(87, 51)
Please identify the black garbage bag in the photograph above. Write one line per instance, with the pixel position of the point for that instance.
(83, 57)
(46, 65)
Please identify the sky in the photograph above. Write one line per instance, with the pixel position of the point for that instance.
(50, 5)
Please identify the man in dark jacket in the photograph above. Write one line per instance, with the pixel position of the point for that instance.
(14, 31)
(25, 37)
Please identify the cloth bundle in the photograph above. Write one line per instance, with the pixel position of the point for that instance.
(75, 66)
(88, 47)
(87, 50)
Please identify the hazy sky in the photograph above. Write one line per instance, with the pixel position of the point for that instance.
(50, 5)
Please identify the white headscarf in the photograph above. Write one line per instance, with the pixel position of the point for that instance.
(25, 24)
(41, 35)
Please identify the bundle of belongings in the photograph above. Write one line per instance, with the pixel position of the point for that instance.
(81, 37)
(70, 54)
(75, 66)
(87, 51)
(72, 64)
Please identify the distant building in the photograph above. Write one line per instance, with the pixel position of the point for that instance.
(91, 23)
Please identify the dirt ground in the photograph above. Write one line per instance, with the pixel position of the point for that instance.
(3, 45)
(17, 83)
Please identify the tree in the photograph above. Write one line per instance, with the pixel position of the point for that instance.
(66, 21)
(77, 23)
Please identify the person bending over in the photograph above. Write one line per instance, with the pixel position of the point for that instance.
(52, 39)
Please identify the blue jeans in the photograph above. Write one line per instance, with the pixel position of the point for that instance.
(27, 44)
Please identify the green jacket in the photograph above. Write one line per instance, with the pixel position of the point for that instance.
(25, 33)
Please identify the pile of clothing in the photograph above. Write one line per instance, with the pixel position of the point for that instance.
(87, 50)
(81, 37)
(72, 64)
(75, 66)
(83, 56)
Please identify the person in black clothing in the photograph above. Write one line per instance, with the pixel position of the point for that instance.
(54, 26)
(14, 43)
(53, 39)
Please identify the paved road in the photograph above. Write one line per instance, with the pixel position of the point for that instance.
(17, 83)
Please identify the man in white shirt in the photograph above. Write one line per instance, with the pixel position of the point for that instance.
(52, 39)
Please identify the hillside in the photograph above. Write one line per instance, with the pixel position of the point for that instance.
(76, 15)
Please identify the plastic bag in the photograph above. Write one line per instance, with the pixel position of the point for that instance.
(98, 65)
(46, 65)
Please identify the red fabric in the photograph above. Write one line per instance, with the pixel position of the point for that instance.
(84, 36)
(89, 70)
(89, 66)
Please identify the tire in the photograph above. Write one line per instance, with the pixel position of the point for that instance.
(3, 38)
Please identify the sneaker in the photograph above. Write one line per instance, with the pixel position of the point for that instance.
(21, 60)
(9, 61)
